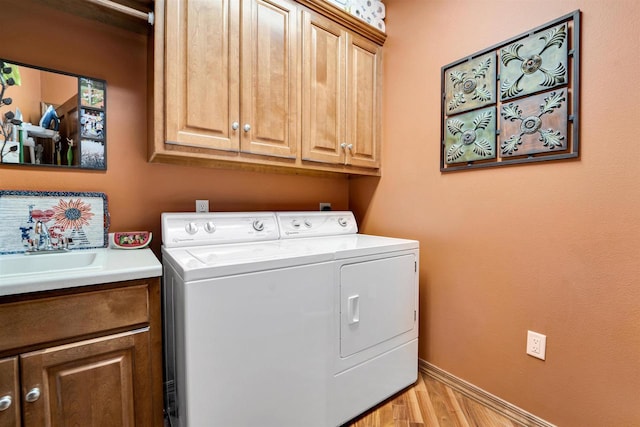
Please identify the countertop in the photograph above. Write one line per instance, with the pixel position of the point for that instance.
(111, 265)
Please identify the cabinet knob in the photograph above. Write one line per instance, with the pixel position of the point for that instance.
(343, 145)
(235, 125)
(5, 402)
(32, 395)
(247, 127)
(350, 147)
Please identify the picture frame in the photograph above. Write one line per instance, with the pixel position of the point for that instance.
(81, 217)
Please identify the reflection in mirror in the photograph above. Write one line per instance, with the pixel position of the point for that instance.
(51, 118)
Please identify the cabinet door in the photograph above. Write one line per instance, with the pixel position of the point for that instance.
(364, 96)
(100, 382)
(9, 393)
(269, 78)
(323, 89)
(201, 73)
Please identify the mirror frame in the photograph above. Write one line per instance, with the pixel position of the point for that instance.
(90, 122)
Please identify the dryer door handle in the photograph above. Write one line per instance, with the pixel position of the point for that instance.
(353, 309)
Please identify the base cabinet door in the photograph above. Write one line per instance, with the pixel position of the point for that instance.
(9, 393)
(99, 382)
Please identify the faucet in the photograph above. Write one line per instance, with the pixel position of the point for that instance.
(42, 231)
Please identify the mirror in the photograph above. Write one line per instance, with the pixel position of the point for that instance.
(50, 118)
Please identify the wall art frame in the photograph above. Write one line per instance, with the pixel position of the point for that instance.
(81, 217)
(516, 102)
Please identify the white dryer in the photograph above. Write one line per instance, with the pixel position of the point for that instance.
(374, 350)
(284, 319)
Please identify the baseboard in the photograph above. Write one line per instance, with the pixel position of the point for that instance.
(503, 407)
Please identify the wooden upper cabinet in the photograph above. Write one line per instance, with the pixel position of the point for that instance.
(323, 89)
(271, 85)
(231, 75)
(270, 78)
(202, 73)
(341, 107)
(364, 107)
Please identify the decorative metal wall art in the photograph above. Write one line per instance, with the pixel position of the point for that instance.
(515, 102)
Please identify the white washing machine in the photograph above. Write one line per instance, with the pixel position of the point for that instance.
(284, 319)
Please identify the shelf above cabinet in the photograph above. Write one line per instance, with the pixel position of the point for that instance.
(126, 14)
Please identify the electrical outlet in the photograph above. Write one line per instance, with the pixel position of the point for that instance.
(325, 206)
(202, 206)
(536, 344)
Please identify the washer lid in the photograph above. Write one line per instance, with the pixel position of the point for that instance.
(203, 262)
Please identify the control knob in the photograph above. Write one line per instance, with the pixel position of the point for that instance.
(258, 225)
(295, 223)
(191, 228)
(210, 227)
(342, 221)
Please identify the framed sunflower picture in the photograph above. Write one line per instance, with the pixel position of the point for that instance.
(81, 219)
(515, 102)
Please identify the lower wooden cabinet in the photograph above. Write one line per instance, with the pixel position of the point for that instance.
(105, 377)
(9, 393)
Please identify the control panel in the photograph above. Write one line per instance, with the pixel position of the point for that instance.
(316, 224)
(212, 228)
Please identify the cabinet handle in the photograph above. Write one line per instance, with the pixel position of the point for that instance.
(344, 146)
(5, 402)
(32, 395)
(247, 127)
(235, 125)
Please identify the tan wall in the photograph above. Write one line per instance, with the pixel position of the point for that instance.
(551, 247)
(138, 191)
(58, 88)
(24, 96)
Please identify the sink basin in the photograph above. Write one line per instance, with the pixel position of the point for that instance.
(48, 263)
(20, 273)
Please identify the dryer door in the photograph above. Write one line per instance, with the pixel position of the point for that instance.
(377, 302)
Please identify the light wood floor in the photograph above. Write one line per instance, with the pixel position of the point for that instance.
(431, 403)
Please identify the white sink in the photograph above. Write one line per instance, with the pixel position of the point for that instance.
(48, 263)
(20, 273)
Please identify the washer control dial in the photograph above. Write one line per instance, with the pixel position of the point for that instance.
(343, 221)
(209, 227)
(295, 223)
(191, 228)
(258, 225)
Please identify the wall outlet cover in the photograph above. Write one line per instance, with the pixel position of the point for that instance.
(202, 206)
(536, 344)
